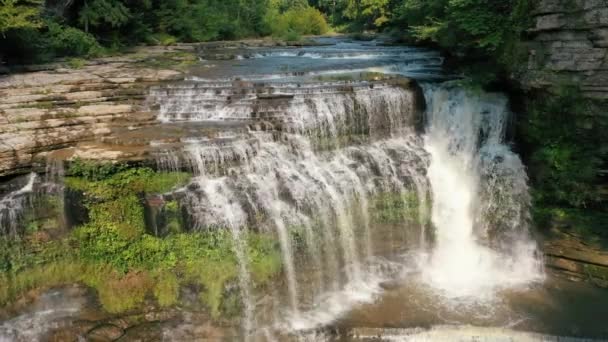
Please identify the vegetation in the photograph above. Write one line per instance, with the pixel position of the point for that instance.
(115, 254)
(565, 148)
(394, 207)
(298, 20)
(38, 31)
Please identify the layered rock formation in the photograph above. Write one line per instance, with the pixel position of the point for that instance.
(111, 112)
(570, 255)
(569, 44)
(48, 110)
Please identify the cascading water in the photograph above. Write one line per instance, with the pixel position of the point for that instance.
(305, 174)
(373, 222)
(480, 197)
(12, 206)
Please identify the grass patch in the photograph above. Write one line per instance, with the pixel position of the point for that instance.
(76, 63)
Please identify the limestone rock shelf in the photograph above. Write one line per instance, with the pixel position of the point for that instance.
(54, 109)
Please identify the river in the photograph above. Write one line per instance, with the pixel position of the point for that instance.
(401, 211)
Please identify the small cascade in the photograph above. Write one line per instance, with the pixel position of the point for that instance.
(277, 180)
(319, 110)
(224, 210)
(12, 206)
(480, 197)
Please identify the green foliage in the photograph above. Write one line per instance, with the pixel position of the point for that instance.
(69, 41)
(82, 27)
(376, 11)
(392, 207)
(113, 254)
(94, 171)
(166, 289)
(19, 14)
(295, 22)
(264, 257)
(566, 147)
(459, 24)
(76, 63)
(98, 12)
(164, 39)
(119, 293)
(121, 183)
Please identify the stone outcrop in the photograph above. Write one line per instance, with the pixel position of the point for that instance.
(569, 44)
(575, 258)
(47, 110)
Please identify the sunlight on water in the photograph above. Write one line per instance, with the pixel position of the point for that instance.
(463, 263)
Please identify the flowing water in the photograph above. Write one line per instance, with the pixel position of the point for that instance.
(13, 204)
(310, 144)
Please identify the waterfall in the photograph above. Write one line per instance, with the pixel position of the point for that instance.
(12, 206)
(479, 195)
(311, 158)
(326, 150)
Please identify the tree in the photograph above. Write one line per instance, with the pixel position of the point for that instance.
(376, 11)
(97, 12)
(15, 14)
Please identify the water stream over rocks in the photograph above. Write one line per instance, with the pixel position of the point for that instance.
(306, 145)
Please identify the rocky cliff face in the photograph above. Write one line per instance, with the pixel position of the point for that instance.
(48, 110)
(569, 44)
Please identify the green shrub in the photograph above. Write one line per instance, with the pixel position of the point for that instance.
(76, 63)
(161, 39)
(296, 22)
(69, 41)
(565, 147)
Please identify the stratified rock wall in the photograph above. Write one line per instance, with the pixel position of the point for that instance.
(569, 44)
(49, 110)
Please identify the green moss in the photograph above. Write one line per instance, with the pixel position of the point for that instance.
(392, 207)
(76, 63)
(166, 289)
(125, 182)
(596, 273)
(213, 275)
(171, 212)
(12, 285)
(265, 257)
(562, 137)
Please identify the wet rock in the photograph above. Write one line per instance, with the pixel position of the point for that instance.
(571, 256)
(105, 332)
(144, 332)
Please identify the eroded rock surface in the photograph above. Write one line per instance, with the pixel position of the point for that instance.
(569, 44)
(52, 109)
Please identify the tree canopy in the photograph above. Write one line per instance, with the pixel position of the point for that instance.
(15, 14)
(38, 30)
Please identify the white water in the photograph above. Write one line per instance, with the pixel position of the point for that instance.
(465, 138)
(284, 185)
(12, 206)
(52, 310)
(279, 182)
(221, 199)
(458, 333)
